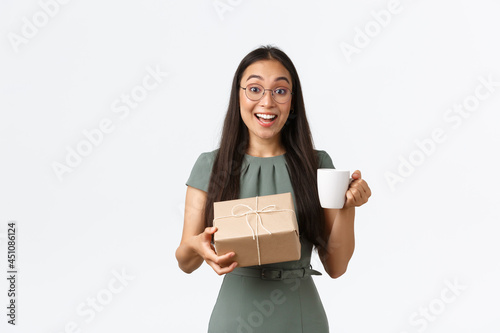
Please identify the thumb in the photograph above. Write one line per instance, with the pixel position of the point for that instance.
(210, 230)
(206, 235)
(356, 174)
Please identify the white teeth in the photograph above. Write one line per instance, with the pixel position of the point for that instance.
(266, 116)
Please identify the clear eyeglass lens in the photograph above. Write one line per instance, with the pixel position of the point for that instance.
(255, 92)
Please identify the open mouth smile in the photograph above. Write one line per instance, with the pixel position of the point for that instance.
(266, 119)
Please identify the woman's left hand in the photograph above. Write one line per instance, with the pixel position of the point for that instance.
(358, 192)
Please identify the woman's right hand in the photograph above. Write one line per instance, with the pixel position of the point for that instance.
(203, 246)
(196, 242)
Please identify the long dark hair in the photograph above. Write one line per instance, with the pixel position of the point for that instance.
(296, 138)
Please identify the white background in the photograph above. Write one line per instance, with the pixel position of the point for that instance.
(121, 208)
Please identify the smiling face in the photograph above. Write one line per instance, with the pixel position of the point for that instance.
(265, 118)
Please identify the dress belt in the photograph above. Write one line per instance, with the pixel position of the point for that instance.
(275, 273)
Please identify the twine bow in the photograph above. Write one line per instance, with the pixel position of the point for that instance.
(255, 234)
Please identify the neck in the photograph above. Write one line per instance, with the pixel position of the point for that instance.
(259, 147)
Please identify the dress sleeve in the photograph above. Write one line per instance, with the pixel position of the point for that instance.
(324, 160)
(200, 174)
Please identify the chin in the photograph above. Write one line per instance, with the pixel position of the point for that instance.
(267, 135)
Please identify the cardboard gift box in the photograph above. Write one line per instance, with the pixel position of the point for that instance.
(259, 230)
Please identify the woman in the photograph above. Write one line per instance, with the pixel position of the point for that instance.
(266, 148)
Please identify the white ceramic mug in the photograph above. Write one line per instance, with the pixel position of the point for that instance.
(332, 186)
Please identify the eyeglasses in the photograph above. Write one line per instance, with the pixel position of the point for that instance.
(255, 92)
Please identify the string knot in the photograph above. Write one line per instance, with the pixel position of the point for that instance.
(257, 212)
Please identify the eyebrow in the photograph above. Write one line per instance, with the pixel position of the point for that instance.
(254, 76)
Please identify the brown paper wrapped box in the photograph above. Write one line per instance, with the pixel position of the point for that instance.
(259, 230)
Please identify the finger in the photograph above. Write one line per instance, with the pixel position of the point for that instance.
(356, 194)
(349, 202)
(366, 189)
(208, 233)
(362, 186)
(230, 268)
(214, 266)
(222, 270)
(356, 174)
(221, 260)
(226, 259)
(210, 230)
(362, 198)
(210, 255)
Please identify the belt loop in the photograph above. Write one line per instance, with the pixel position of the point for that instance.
(264, 276)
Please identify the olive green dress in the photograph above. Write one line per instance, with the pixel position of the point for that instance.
(251, 304)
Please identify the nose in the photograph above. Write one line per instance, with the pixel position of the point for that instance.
(267, 99)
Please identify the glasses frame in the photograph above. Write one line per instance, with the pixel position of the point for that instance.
(264, 92)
